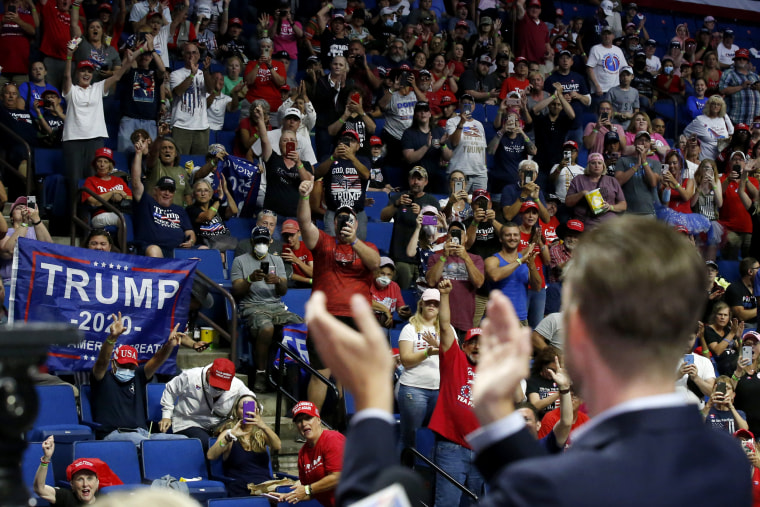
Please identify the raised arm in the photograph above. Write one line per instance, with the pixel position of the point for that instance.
(100, 368)
(45, 492)
(137, 185)
(309, 231)
(448, 337)
(564, 425)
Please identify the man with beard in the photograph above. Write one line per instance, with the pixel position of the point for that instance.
(741, 86)
(163, 160)
(622, 347)
(559, 255)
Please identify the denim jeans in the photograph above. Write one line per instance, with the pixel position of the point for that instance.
(415, 406)
(536, 305)
(459, 463)
(141, 434)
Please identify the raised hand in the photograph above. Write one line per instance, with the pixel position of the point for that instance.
(117, 328)
(48, 447)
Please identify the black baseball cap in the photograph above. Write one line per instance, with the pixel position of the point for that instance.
(166, 183)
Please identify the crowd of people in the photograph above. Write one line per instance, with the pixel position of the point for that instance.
(493, 138)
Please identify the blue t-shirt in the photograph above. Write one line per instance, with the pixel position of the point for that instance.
(723, 420)
(508, 156)
(156, 225)
(572, 82)
(35, 93)
(695, 106)
(515, 287)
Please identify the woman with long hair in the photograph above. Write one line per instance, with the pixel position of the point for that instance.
(595, 177)
(713, 127)
(676, 191)
(424, 144)
(94, 48)
(242, 444)
(443, 75)
(642, 122)
(722, 337)
(707, 201)
(712, 73)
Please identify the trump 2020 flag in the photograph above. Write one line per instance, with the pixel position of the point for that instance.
(65, 284)
(243, 180)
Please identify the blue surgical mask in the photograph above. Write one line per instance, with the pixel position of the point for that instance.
(389, 22)
(124, 374)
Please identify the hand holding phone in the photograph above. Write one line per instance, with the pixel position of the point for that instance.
(265, 267)
(249, 406)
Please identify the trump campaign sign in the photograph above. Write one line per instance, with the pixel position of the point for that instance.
(64, 284)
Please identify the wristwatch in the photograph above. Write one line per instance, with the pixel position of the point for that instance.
(307, 490)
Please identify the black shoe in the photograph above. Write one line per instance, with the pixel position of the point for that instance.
(260, 384)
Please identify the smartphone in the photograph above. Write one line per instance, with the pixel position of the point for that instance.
(688, 359)
(11, 8)
(456, 236)
(749, 447)
(356, 97)
(528, 177)
(511, 122)
(720, 387)
(604, 117)
(467, 108)
(289, 146)
(513, 102)
(429, 220)
(568, 155)
(249, 406)
(31, 201)
(665, 168)
(342, 222)
(265, 267)
(458, 186)
(747, 352)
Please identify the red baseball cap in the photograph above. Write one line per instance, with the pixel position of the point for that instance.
(742, 53)
(103, 153)
(477, 194)
(534, 3)
(575, 225)
(520, 59)
(126, 354)
(290, 227)
(106, 476)
(375, 141)
(305, 407)
(462, 24)
(472, 333)
(85, 63)
(744, 433)
(573, 144)
(528, 205)
(236, 21)
(82, 464)
(221, 373)
(742, 126)
(448, 99)
(351, 133)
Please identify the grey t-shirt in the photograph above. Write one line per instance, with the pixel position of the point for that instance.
(260, 292)
(399, 113)
(551, 329)
(638, 194)
(624, 101)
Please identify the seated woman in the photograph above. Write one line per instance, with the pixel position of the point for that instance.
(242, 444)
(208, 212)
(110, 188)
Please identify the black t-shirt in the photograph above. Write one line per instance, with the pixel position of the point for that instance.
(344, 186)
(156, 225)
(747, 396)
(415, 139)
(66, 498)
(282, 186)
(544, 388)
(140, 94)
(213, 228)
(507, 158)
(738, 295)
(726, 362)
(644, 83)
(404, 223)
(549, 138)
(355, 123)
(332, 47)
(119, 404)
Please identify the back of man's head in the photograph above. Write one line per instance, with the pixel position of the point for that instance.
(638, 288)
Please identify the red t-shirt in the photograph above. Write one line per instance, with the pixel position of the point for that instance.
(552, 418)
(532, 39)
(100, 186)
(340, 273)
(675, 84)
(14, 45)
(263, 87)
(453, 418)
(550, 230)
(511, 84)
(733, 215)
(314, 463)
(56, 30)
(524, 242)
(303, 253)
(390, 297)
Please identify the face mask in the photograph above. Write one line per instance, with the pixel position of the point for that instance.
(430, 230)
(382, 281)
(124, 374)
(389, 22)
(668, 70)
(261, 249)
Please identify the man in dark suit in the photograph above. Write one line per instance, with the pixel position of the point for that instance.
(625, 330)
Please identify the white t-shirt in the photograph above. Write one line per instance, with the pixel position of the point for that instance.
(470, 154)
(606, 63)
(654, 65)
(426, 374)
(217, 110)
(705, 371)
(565, 177)
(726, 55)
(709, 130)
(160, 44)
(84, 116)
(305, 150)
(140, 9)
(189, 110)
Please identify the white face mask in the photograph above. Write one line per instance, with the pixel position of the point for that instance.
(382, 281)
(430, 230)
(261, 249)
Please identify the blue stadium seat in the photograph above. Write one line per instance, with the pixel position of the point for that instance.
(253, 501)
(380, 233)
(58, 416)
(348, 399)
(394, 334)
(379, 125)
(229, 258)
(153, 393)
(729, 270)
(47, 162)
(29, 465)
(85, 406)
(479, 113)
(121, 161)
(296, 299)
(209, 262)
(373, 212)
(180, 458)
(121, 458)
(226, 138)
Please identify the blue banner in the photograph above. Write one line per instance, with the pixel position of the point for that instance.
(243, 180)
(65, 284)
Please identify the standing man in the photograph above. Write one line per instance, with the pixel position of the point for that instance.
(465, 272)
(574, 88)
(638, 177)
(604, 63)
(189, 115)
(622, 347)
(204, 397)
(740, 296)
(532, 33)
(118, 386)
(467, 138)
(403, 209)
(343, 265)
(260, 294)
(741, 86)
